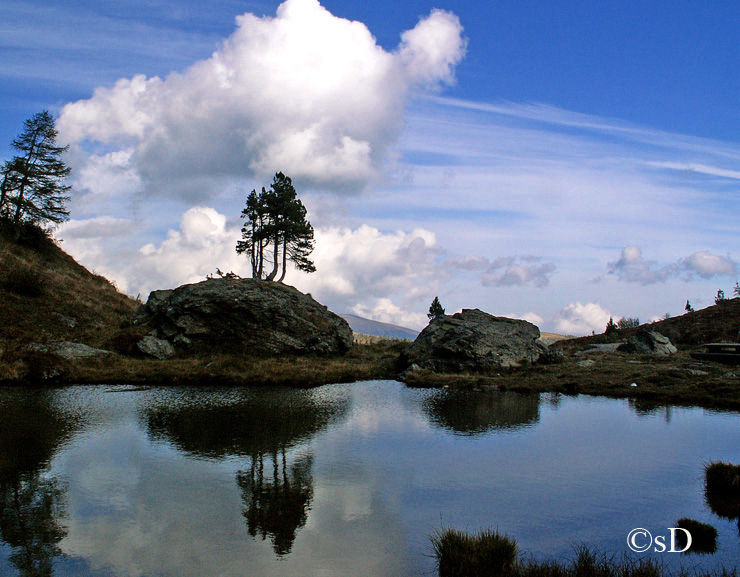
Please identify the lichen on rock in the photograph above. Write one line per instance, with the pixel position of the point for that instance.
(473, 340)
(247, 315)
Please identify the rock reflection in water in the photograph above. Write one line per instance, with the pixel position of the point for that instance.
(649, 408)
(32, 505)
(474, 413)
(261, 425)
(246, 423)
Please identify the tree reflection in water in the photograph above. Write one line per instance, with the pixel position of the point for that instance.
(262, 425)
(279, 507)
(31, 509)
(473, 413)
(31, 504)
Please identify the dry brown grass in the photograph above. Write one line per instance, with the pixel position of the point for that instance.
(363, 339)
(73, 304)
(658, 380)
(363, 362)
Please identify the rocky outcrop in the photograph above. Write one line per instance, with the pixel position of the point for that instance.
(647, 342)
(245, 315)
(473, 341)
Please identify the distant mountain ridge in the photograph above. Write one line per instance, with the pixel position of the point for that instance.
(368, 327)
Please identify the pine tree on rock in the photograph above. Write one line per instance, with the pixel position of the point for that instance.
(276, 230)
(435, 309)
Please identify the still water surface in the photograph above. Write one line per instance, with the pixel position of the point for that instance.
(339, 480)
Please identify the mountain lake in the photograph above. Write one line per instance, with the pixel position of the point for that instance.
(340, 480)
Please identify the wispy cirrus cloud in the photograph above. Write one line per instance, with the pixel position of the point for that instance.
(506, 271)
(698, 169)
(125, 35)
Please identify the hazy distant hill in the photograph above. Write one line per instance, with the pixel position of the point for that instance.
(368, 327)
(549, 338)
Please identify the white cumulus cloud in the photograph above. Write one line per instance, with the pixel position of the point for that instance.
(518, 271)
(632, 267)
(433, 48)
(385, 311)
(708, 265)
(582, 319)
(507, 271)
(382, 274)
(304, 92)
(363, 265)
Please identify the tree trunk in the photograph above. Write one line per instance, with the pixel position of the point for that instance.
(285, 254)
(18, 208)
(261, 259)
(253, 252)
(275, 257)
(3, 193)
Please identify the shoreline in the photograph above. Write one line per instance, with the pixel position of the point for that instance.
(675, 380)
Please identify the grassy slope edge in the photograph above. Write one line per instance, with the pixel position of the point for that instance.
(46, 296)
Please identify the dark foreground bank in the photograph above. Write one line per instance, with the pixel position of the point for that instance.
(491, 554)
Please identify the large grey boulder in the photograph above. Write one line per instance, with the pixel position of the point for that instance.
(473, 341)
(245, 315)
(647, 342)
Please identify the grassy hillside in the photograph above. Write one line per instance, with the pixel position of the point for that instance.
(45, 295)
(716, 323)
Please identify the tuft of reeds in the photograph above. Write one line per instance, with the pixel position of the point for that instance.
(722, 489)
(703, 536)
(460, 554)
(492, 554)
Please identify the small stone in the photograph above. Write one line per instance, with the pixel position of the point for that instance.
(696, 372)
(69, 350)
(65, 320)
(648, 343)
(157, 348)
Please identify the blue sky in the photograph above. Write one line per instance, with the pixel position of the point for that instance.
(556, 161)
